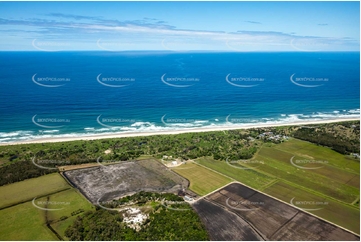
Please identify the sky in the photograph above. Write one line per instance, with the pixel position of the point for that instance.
(180, 26)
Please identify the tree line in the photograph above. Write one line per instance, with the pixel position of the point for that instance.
(162, 224)
(16, 160)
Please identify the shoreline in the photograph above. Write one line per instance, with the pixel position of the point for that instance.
(180, 131)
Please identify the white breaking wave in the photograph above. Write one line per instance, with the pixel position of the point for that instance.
(356, 111)
(140, 124)
(15, 133)
(50, 131)
(202, 121)
(144, 127)
(5, 139)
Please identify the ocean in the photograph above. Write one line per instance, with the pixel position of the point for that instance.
(71, 94)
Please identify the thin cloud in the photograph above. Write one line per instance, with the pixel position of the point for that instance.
(322, 24)
(148, 29)
(145, 22)
(252, 22)
(73, 16)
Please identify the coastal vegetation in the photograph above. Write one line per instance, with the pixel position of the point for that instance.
(163, 222)
(17, 160)
(341, 137)
(303, 163)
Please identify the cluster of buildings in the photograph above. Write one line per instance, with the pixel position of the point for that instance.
(272, 137)
(186, 195)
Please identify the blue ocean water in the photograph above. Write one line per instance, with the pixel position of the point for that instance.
(68, 94)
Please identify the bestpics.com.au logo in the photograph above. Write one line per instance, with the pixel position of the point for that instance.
(114, 122)
(308, 164)
(308, 81)
(114, 81)
(244, 205)
(176, 205)
(176, 44)
(178, 121)
(50, 45)
(49, 164)
(239, 120)
(188, 43)
(179, 81)
(108, 205)
(244, 164)
(309, 205)
(50, 122)
(50, 81)
(244, 81)
(49, 205)
(117, 205)
(116, 45)
(312, 44)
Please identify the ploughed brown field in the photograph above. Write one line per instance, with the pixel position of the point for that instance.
(250, 215)
(222, 224)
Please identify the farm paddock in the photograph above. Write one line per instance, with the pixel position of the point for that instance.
(267, 217)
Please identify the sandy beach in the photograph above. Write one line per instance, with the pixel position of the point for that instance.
(181, 131)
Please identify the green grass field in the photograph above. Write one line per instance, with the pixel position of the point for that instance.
(73, 201)
(329, 179)
(299, 147)
(202, 181)
(327, 208)
(24, 222)
(337, 181)
(249, 177)
(31, 188)
(68, 201)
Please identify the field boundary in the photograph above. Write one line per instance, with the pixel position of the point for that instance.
(204, 196)
(356, 200)
(213, 170)
(271, 183)
(75, 187)
(41, 196)
(241, 217)
(308, 190)
(299, 209)
(330, 165)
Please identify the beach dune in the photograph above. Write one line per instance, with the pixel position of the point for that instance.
(180, 131)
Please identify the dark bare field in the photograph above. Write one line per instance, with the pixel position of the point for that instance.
(273, 220)
(104, 183)
(222, 224)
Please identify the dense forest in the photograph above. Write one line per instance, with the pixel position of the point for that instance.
(19, 171)
(343, 137)
(234, 144)
(162, 223)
